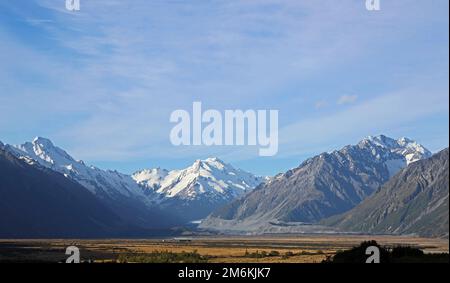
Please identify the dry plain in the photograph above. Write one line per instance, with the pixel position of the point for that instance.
(233, 249)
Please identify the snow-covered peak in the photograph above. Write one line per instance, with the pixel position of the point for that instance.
(211, 177)
(45, 152)
(102, 182)
(43, 142)
(214, 160)
(405, 141)
(210, 164)
(395, 154)
(381, 140)
(409, 149)
(150, 177)
(412, 150)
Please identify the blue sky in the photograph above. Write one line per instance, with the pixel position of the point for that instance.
(102, 82)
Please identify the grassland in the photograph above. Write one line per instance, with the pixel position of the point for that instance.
(248, 249)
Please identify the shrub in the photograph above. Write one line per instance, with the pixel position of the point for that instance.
(163, 257)
(274, 253)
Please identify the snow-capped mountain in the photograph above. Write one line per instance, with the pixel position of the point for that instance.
(204, 185)
(98, 181)
(396, 154)
(192, 192)
(119, 191)
(151, 178)
(209, 176)
(322, 186)
(38, 202)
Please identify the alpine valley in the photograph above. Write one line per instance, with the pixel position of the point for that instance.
(379, 185)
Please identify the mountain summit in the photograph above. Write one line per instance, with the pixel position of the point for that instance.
(409, 149)
(210, 176)
(102, 182)
(196, 190)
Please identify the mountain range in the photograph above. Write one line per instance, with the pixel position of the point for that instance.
(149, 199)
(379, 185)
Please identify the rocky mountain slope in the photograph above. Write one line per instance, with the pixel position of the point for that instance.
(415, 201)
(322, 186)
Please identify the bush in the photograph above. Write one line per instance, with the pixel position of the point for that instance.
(262, 254)
(396, 255)
(358, 254)
(274, 253)
(163, 257)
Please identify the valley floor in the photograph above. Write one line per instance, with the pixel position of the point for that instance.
(248, 249)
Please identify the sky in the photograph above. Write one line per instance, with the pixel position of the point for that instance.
(102, 82)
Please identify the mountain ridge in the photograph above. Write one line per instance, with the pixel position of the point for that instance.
(49, 204)
(322, 186)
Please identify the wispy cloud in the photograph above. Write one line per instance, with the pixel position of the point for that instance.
(320, 104)
(347, 99)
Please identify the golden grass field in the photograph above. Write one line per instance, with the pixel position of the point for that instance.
(220, 249)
